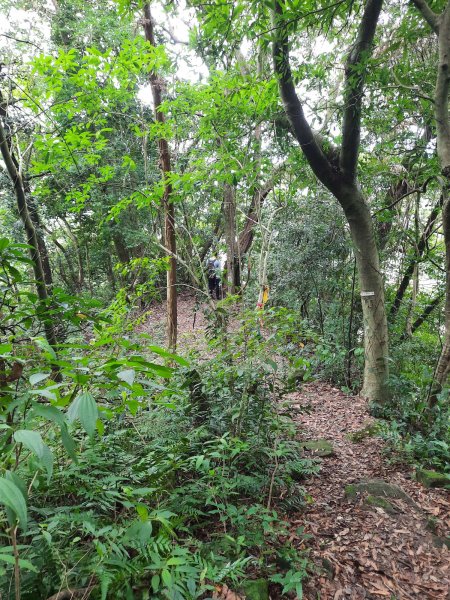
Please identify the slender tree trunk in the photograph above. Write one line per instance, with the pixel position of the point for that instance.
(443, 366)
(110, 272)
(215, 237)
(253, 216)
(443, 149)
(72, 283)
(419, 251)
(30, 231)
(413, 301)
(76, 244)
(123, 254)
(230, 237)
(167, 200)
(423, 317)
(36, 220)
(88, 269)
(376, 366)
(440, 24)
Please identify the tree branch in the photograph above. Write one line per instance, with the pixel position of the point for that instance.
(423, 317)
(355, 76)
(427, 232)
(245, 238)
(430, 17)
(293, 107)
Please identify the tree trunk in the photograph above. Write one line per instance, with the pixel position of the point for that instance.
(212, 241)
(419, 251)
(253, 216)
(376, 366)
(72, 283)
(30, 231)
(440, 24)
(230, 238)
(443, 149)
(76, 244)
(123, 254)
(337, 170)
(167, 200)
(443, 366)
(423, 317)
(35, 218)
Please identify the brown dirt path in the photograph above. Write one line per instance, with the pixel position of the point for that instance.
(367, 553)
(191, 324)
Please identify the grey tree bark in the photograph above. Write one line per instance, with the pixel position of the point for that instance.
(336, 169)
(440, 24)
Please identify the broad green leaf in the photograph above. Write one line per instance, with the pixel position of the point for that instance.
(37, 377)
(48, 412)
(45, 392)
(17, 481)
(23, 564)
(166, 577)
(140, 532)
(68, 442)
(84, 408)
(33, 441)
(155, 583)
(178, 359)
(127, 375)
(12, 498)
(4, 243)
(44, 345)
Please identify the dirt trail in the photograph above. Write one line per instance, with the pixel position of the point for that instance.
(362, 551)
(367, 552)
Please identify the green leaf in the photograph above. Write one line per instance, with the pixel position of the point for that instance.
(166, 577)
(33, 441)
(37, 377)
(178, 359)
(45, 392)
(140, 532)
(68, 442)
(12, 498)
(17, 481)
(84, 408)
(23, 564)
(155, 583)
(50, 413)
(128, 376)
(4, 243)
(44, 345)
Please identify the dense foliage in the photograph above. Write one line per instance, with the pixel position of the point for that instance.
(133, 469)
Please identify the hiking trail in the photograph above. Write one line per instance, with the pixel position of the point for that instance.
(385, 538)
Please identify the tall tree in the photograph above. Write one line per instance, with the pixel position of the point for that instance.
(337, 170)
(32, 238)
(440, 24)
(167, 200)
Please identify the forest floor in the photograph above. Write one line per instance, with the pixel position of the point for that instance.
(366, 547)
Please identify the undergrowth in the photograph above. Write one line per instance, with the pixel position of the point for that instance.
(144, 478)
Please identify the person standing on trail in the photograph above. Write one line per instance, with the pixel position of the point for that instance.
(214, 274)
